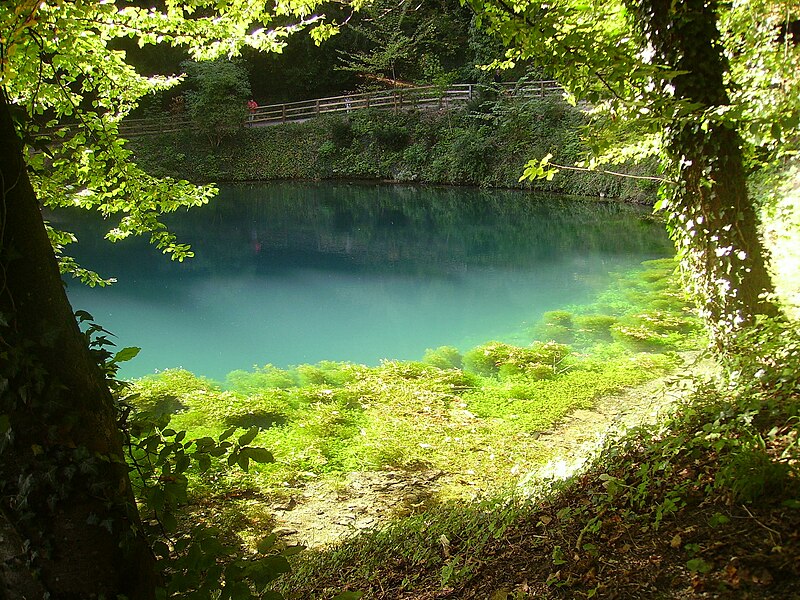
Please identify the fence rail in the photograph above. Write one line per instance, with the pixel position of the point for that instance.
(412, 98)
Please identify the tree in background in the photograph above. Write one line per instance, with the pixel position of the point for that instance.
(409, 42)
(69, 526)
(709, 86)
(217, 97)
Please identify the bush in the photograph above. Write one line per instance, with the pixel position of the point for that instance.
(217, 98)
(169, 392)
(325, 373)
(557, 326)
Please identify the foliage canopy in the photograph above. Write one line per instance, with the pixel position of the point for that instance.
(711, 87)
(70, 89)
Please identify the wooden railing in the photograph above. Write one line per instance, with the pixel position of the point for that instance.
(412, 98)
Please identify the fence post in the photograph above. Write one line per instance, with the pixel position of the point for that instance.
(470, 92)
(542, 84)
(283, 113)
(317, 107)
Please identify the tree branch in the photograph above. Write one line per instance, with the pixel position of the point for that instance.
(615, 173)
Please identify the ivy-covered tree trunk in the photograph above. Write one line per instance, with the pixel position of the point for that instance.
(711, 215)
(69, 522)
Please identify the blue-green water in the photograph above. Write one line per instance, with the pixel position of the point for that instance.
(297, 273)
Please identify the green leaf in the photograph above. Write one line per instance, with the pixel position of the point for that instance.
(267, 569)
(204, 442)
(227, 433)
(160, 549)
(698, 565)
(259, 455)
(217, 451)
(718, 519)
(126, 354)
(266, 544)
(249, 436)
(203, 462)
(349, 596)
(182, 463)
(237, 590)
(292, 550)
(169, 522)
(82, 316)
(244, 461)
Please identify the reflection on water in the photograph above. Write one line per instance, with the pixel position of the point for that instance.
(296, 273)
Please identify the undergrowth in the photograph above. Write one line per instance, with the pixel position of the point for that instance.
(485, 145)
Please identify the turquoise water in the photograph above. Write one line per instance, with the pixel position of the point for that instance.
(294, 273)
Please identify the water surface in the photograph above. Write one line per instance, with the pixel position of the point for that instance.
(292, 273)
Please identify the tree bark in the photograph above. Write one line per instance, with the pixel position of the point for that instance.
(713, 220)
(64, 485)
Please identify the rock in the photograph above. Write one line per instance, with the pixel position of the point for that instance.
(365, 523)
(288, 505)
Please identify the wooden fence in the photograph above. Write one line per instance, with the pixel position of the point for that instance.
(411, 98)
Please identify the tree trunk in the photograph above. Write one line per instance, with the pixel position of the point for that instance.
(64, 486)
(712, 218)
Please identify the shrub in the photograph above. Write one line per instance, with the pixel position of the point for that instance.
(325, 373)
(168, 392)
(216, 100)
(341, 133)
(457, 147)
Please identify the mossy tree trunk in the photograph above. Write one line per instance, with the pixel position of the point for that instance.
(711, 216)
(65, 496)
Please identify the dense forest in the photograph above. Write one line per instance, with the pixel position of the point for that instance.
(562, 465)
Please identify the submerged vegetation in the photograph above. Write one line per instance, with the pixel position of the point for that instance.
(702, 502)
(474, 416)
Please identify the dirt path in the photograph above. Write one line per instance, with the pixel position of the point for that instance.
(323, 512)
(584, 431)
